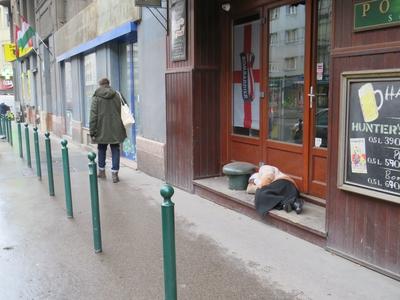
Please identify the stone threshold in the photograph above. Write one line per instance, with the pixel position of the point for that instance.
(310, 224)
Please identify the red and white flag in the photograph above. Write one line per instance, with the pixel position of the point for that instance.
(246, 75)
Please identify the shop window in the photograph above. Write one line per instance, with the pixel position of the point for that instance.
(68, 97)
(286, 79)
(90, 84)
(129, 86)
(246, 78)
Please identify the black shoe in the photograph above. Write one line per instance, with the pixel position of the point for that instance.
(297, 205)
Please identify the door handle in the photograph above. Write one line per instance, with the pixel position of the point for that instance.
(311, 95)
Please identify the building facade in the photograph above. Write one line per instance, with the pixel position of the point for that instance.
(76, 44)
(306, 86)
(311, 87)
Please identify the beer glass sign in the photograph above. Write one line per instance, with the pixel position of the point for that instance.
(368, 102)
(370, 134)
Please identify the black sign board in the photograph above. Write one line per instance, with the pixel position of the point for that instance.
(370, 134)
(154, 3)
(177, 10)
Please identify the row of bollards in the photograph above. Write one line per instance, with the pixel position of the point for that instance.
(6, 128)
(167, 207)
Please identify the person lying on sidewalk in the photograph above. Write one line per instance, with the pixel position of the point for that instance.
(274, 189)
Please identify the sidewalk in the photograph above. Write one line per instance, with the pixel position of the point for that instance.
(220, 254)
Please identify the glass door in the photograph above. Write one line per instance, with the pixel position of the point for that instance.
(297, 80)
(319, 95)
(286, 73)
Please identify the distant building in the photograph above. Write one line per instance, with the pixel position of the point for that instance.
(6, 71)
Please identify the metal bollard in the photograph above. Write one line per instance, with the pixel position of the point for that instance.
(1, 125)
(20, 139)
(94, 196)
(37, 153)
(7, 129)
(2, 121)
(168, 229)
(67, 178)
(49, 164)
(10, 132)
(28, 146)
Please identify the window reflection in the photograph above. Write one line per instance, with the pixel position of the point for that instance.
(286, 73)
(322, 67)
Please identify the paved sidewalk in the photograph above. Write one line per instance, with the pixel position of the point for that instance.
(221, 254)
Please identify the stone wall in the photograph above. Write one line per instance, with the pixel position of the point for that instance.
(97, 18)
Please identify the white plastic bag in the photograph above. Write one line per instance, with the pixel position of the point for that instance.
(126, 115)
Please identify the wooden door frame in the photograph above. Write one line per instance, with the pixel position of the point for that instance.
(306, 149)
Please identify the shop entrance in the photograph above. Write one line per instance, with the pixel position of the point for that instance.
(279, 100)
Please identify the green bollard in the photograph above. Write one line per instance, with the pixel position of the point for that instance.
(1, 125)
(10, 132)
(20, 140)
(5, 128)
(28, 146)
(49, 164)
(5, 125)
(94, 195)
(168, 229)
(67, 179)
(37, 153)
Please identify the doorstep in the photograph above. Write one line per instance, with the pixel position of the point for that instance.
(309, 225)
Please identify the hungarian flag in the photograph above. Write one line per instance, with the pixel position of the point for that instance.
(246, 75)
(24, 35)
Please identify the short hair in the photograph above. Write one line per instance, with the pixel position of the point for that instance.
(104, 82)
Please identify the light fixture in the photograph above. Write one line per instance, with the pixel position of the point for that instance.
(226, 7)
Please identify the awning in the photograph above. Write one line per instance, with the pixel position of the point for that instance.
(128, 32)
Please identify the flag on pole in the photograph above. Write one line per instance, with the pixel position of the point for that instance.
(24, 35)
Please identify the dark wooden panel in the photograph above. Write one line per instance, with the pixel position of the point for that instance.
(206, 133)
(361, 227)
(179, 146)
(245, 152)
(344, 35)
(288, 162)
(206, 33)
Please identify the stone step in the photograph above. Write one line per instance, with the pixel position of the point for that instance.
(310, 224)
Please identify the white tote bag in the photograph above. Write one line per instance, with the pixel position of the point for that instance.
(126, 115)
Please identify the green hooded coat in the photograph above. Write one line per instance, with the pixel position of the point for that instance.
(105, 117)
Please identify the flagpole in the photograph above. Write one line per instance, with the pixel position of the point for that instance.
(43, 43)
(33, 48)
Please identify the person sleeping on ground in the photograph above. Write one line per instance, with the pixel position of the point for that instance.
(274, 189)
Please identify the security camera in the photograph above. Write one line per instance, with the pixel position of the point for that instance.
(226, 6)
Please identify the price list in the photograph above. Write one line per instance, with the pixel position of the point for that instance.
(373, 135)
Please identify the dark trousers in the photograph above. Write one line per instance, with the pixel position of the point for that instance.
(115, 153)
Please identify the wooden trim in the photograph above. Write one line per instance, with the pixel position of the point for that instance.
(364, 263)
(308, 63)
(319, 152)
(285, 146)
(179, 70)
(245, 140)
(370, 49)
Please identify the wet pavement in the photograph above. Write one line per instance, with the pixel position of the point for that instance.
(220, 254)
